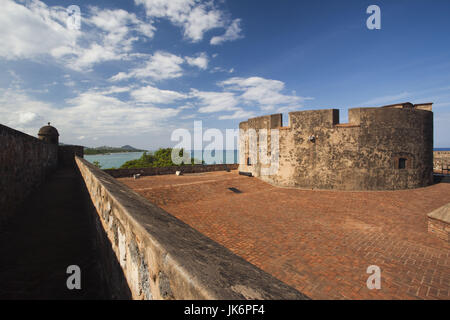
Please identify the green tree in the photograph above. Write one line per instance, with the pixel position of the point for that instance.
(161, 158)
(97, 164)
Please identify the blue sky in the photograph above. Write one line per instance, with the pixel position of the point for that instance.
(137, 70)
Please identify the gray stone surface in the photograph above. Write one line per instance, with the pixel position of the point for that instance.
(25, 161)
(363, 154)
(442, 214)
(180, 262)
(198, 168)
(52, 230)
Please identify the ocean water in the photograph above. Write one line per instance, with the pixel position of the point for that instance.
(115, 160)
(108, 161)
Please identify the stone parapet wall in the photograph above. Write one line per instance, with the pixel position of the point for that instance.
(123, 173)
(439, 222)
(24, 163)
(67, 153)
(163, 258)
(441, 159)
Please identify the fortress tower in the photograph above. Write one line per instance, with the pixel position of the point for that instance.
(49, 134)
(384, 148)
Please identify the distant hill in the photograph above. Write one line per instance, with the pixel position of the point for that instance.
(107, 149)
(130, 148)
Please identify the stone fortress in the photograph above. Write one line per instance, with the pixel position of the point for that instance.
(129, 247)
(384, 148)
(58, 209)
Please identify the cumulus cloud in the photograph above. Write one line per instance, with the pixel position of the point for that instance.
(27, 112)
(238, 114)
(214, 101)
(161, 65)
(201, 61)
(33, 30)
(116, 32)
(119, 22)
(194, 16)
(90, 114)
(28, 32)
(242, 95)
(154, 95)
(233, 33)
(260, 90)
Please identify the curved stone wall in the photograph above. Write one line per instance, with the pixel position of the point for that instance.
(379, 149)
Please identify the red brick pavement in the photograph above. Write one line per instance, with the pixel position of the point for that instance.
(320, 242)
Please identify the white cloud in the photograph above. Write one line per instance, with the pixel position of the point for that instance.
(154, 95)
(115, 30)
(98, 115)
(28, 32)
(238, 114)
(215, 101)
(265, 92)
(27, 117)
(193, 16)
(119, 22)
(114, 89)
(70, 83)
(200, 61)
(27, 112)
(220, 69)
(233, 33)
(90, 114)
(160, 66)
(34, 30)
(201, 19)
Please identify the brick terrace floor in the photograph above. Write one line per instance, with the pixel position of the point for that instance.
(320, 242)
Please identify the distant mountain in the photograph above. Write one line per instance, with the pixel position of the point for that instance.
(130, 148)
(107, 149)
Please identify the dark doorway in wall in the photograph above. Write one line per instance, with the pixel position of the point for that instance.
(248, 161)
(402, 163)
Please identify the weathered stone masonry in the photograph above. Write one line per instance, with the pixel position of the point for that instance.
(384, 148)
(198, 168)
(163, 258)
(24, 163)
(439, 222)
(442, 161)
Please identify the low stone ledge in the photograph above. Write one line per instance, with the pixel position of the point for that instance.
(196, 168)
(439, 222)
(164, 258)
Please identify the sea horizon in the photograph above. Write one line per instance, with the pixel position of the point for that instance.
(115, 160)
